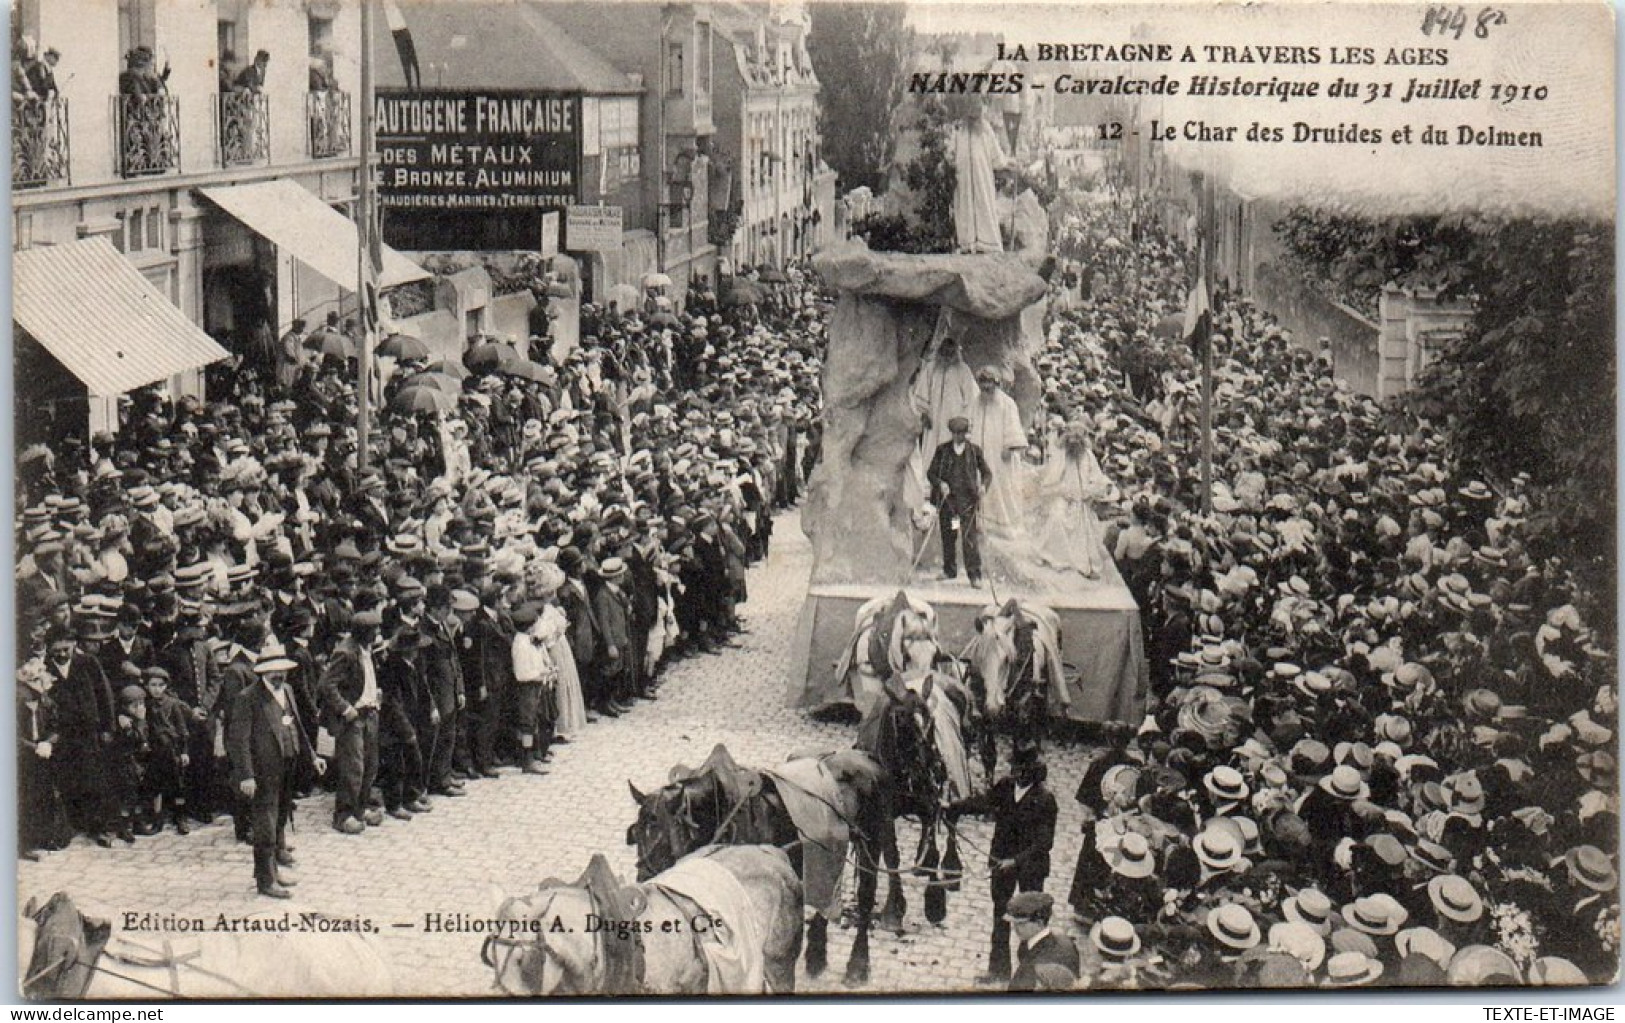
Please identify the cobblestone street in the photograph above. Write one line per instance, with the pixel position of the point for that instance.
(510, 833)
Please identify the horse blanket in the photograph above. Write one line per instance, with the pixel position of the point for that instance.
(812, 798)
(726, 929)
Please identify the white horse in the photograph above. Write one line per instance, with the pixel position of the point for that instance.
(63, 954)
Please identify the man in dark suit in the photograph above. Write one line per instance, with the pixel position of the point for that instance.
(958, 474)
(266, 744)
(612, 610)
(443, 676)
(1023, 813)
(85, 716)
(350, 699)
(1029, 913)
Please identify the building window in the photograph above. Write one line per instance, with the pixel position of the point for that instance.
(702, 57)
(674, 69)
(618, 126)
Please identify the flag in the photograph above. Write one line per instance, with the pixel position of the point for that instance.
(404, 46)
(1198, 314)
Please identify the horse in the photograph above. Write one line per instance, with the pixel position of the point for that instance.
(811, 806)
(867, 659)
(68, 956)
(1015, 663)
(724, 920)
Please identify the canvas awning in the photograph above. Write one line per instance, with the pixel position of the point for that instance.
(98, 316)
(308, 229)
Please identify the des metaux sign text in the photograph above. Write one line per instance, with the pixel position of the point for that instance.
(464, 150)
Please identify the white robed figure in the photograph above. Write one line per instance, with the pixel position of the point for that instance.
(944, 388)
(995, 427)
(1067, 535)
(976, 152)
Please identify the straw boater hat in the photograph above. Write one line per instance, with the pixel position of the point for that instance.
(1300, 941)
(1132, 857)
(1379, 915)
(1345, 783)
(1309, 906)
(1349, 969)
(1454, 898)
(1218, 850)
(1115, 938)
(1591, 867)
(1233, 927)
(1226, 784)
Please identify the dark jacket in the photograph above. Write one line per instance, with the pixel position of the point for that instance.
(1022, 831)
(1052, 948)
(260, 745)
(963, 474)
(341, 683)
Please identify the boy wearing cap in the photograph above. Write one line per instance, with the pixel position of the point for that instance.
(958, 475)
(1029, 915)
(169, 723)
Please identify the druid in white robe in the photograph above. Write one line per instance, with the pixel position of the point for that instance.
(995, 427)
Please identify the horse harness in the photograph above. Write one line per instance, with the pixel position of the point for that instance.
(623, 960)
(139, 956)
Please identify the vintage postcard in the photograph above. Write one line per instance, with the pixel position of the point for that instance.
(523, 498)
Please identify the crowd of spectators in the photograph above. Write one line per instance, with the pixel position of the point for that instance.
(521, 556)
(1380, 744)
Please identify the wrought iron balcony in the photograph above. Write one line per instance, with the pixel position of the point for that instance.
(328, 116)
(39, 142)
(245, 128)
(149, 134)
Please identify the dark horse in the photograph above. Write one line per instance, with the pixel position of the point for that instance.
(811, 807)
(900, 732)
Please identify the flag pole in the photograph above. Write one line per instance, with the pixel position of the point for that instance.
(1205, 269)
(366, 223)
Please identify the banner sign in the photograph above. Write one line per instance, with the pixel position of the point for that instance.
(592, 228)
(471, 150)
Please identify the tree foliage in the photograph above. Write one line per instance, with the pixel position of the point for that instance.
(1530, 386)
(860, 53)
(928, 225)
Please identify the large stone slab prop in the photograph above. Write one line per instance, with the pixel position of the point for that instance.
(885, 318)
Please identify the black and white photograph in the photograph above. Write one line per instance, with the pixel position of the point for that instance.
(593, 499)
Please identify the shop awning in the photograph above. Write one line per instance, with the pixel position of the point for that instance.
(308, 229)
(98, 316)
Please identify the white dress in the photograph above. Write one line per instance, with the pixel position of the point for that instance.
(549, 630)
(1066, 532)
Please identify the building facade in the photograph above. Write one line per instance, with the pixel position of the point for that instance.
(783, 194)
(672, 50)
(150, 112)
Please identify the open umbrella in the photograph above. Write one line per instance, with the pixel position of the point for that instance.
(403, 347)
(329, 342)
(623, 296)
(772, 275)
(488, 355)
(421, 399)
(655, 280)
(664, 319)
(441, 382)
(448, 367)
(1171, 326)
(524, 369)
(742, 293)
